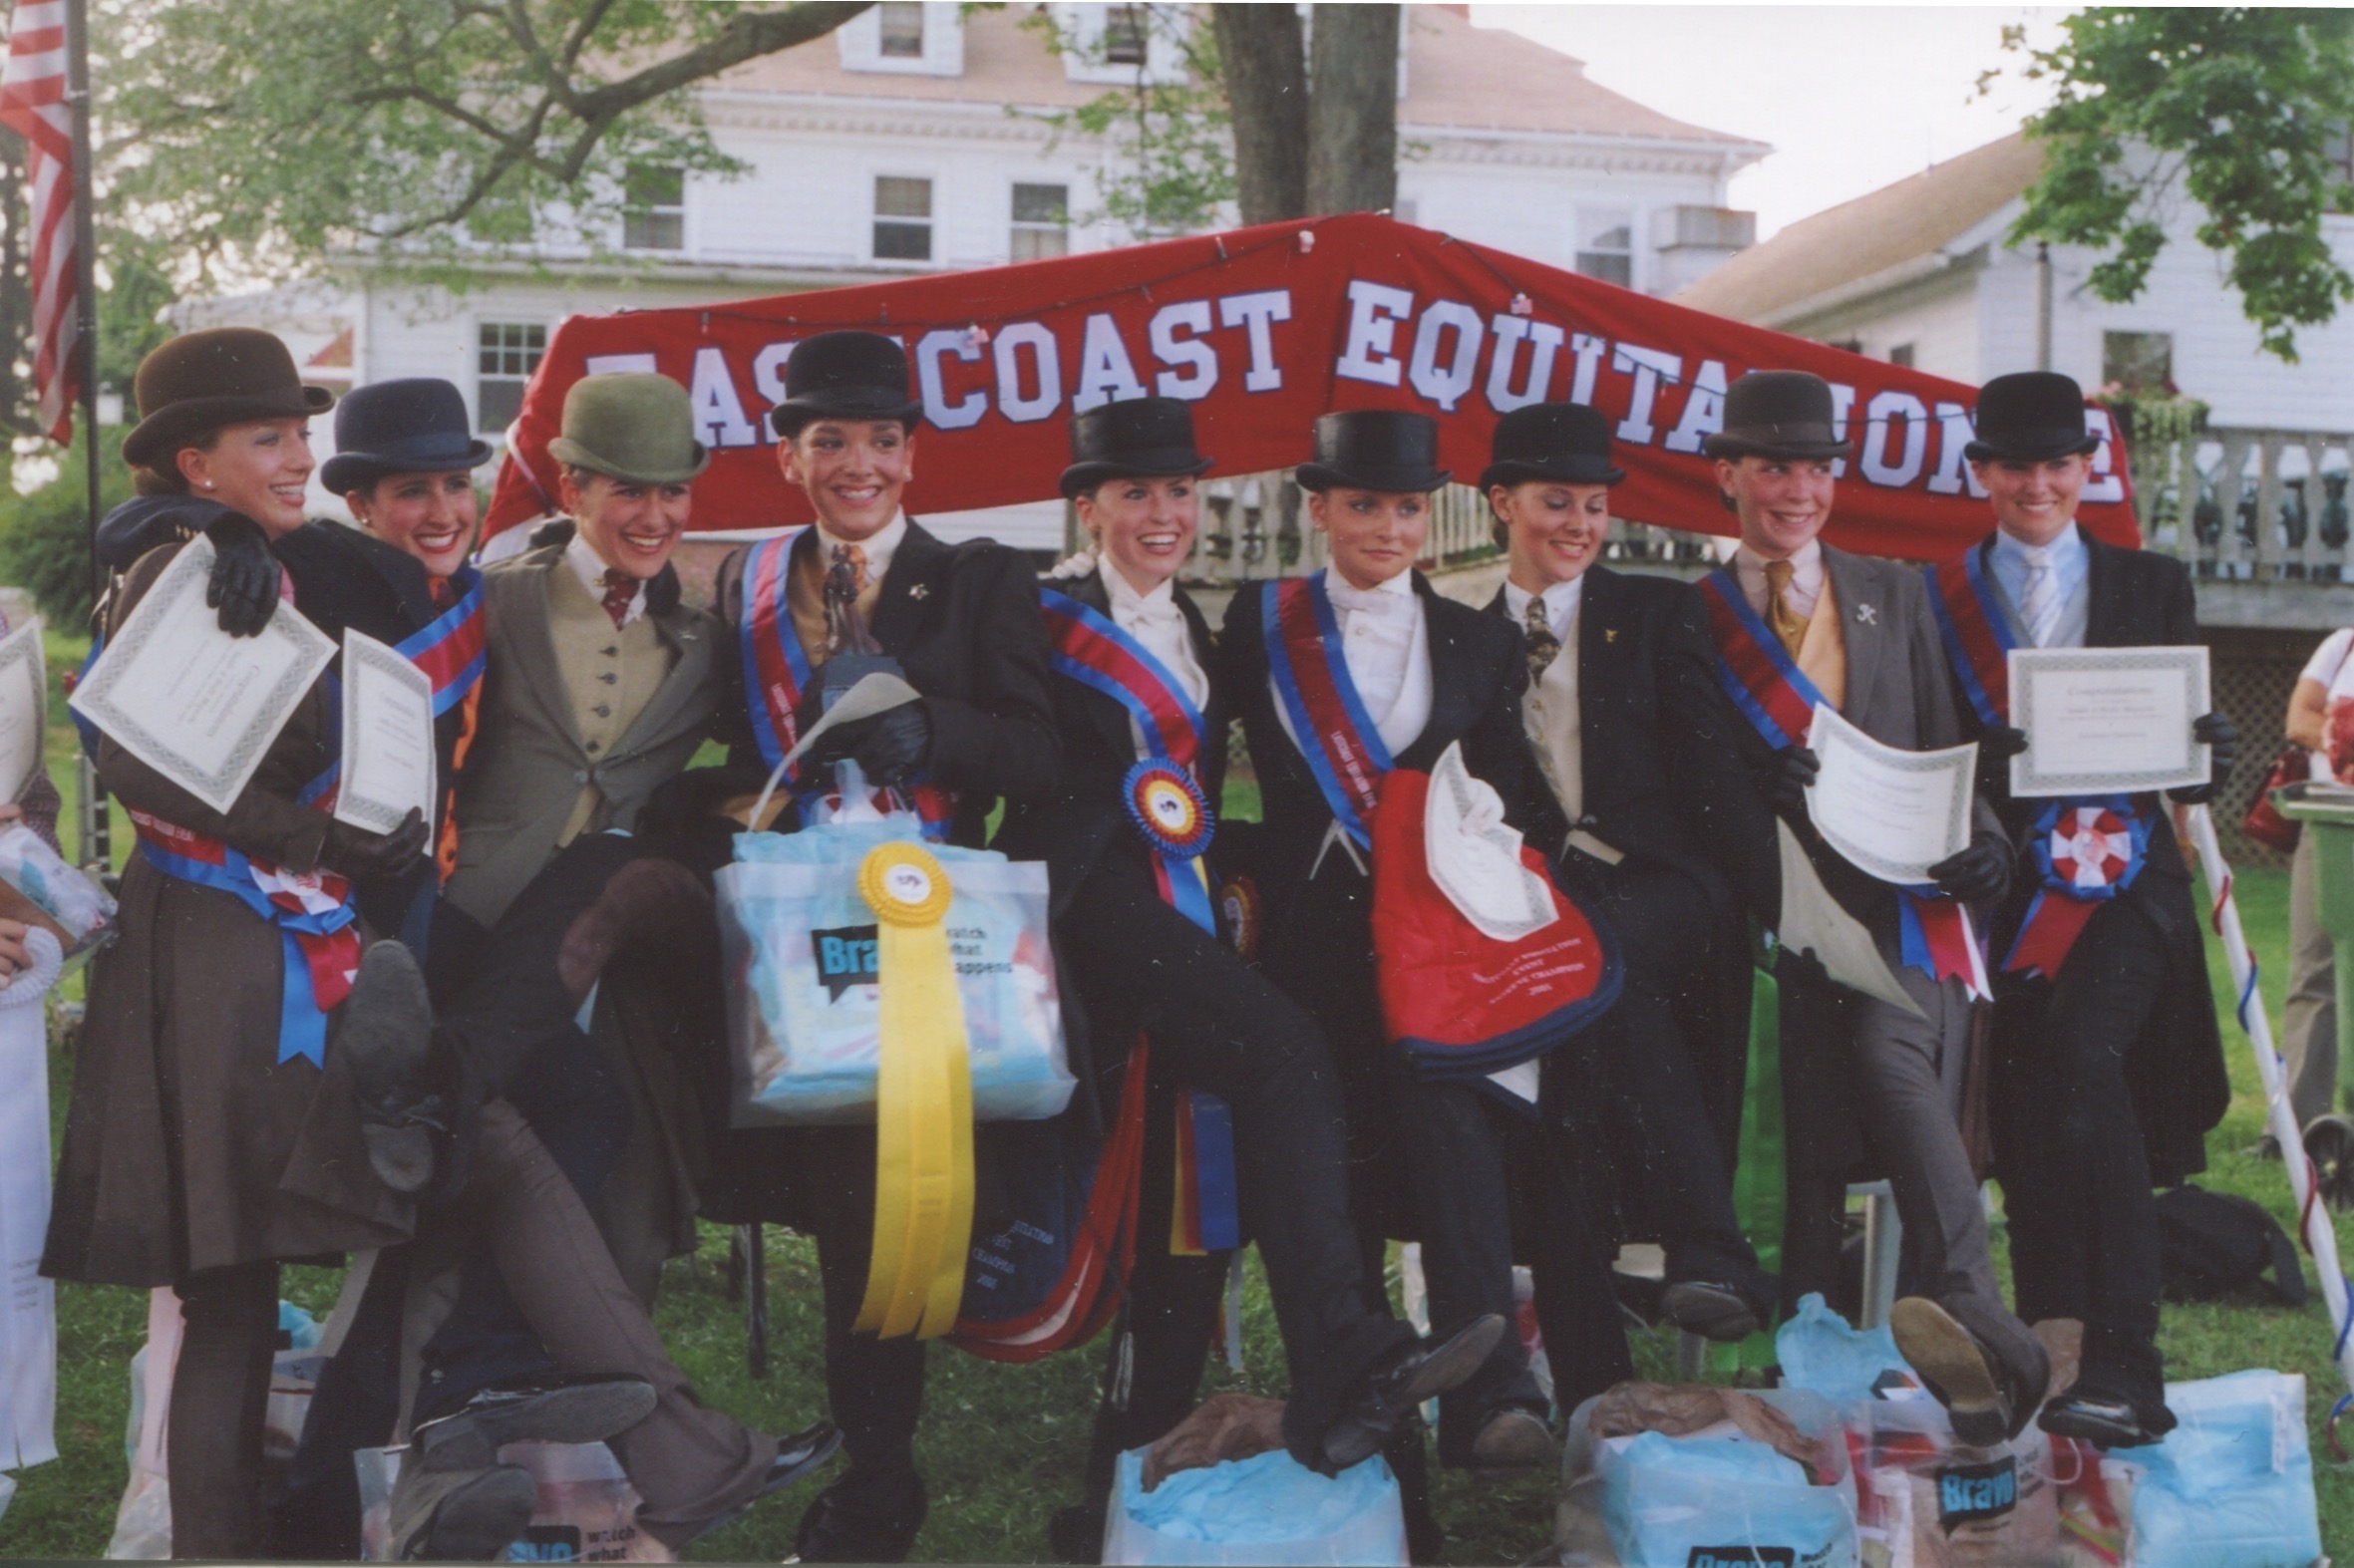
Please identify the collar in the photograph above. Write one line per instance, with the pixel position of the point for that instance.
(1160, 602)
(878, 549)
(1806, 564)
(1561, 601)
(590, 568)
(2062, 554)
(1345, 592)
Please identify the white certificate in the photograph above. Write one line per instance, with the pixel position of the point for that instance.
(388, 737)
(1891, 812)
(24, 708)
(185, 698)
(2107, 721)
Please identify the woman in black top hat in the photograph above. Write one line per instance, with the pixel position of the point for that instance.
(211, 1133)
(1427, 673)
(1143, 723)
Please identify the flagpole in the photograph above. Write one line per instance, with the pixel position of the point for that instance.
(95, 850)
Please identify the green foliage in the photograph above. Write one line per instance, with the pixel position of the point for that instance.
(269, 137)
(1171, 163)
(45, 536)
(2237, 107)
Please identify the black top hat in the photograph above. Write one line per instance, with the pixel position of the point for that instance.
(1565, 443)
(202, 381)
(414, 425)
(2029, 416)
(1778, 414)
(1375, 450)
(1136, 438)
(848, 375)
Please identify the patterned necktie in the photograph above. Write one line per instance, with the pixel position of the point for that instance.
(1544, 646)
(445, 592)
(1789, 627)
(852, 558)
(621, 594)
(2039, 601)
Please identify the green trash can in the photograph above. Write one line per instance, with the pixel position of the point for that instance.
(2328, 814)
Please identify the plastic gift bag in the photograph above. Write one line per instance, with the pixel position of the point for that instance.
(1267, 1509)
(799, 943)
(76, 909)
(1821, 1353)
(586, 1510)
(2232, 1487)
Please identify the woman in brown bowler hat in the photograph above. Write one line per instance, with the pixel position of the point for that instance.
(212, 1133)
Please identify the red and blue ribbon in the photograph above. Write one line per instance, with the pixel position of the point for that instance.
(321, 944)
(1977, 638)
(1165, 802)
(453, 647)
(1753, 666)
(1336, 735)
(776, 672)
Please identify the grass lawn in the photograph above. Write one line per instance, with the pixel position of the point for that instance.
(1002, 1446)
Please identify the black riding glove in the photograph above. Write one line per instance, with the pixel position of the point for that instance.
(2000, 743)
(1979, 874)
(245, 582)
(361, 855)
(887, 747)
(1795, 771)
(2223, 739)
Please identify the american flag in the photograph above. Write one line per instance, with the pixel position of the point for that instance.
(33, 103)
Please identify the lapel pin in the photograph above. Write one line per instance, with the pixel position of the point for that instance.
(920, 591)
(1609, 634)
(1867, 615)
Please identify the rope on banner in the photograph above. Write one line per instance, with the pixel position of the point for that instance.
(2313, 1220)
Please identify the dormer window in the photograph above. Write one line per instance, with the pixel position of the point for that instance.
(902, 30)
(1123, 45)
(1126, 33)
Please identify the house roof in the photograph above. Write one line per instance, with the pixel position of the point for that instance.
(1454, 76)
(1858, 239)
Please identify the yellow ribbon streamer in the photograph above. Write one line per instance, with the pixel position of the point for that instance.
(923, 1103)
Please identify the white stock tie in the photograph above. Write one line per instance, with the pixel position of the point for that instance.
(2039, 603)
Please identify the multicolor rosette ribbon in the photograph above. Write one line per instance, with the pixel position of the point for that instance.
(2087, 852)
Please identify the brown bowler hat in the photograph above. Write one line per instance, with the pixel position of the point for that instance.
(1778, 414)
(200, 381)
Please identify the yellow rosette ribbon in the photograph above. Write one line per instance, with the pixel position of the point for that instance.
(923, 1103)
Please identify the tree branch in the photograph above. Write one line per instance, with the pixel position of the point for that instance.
(748, 36)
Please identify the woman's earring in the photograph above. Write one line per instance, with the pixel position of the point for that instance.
(208, 484)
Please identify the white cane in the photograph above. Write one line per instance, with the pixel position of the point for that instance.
(2313, 1219)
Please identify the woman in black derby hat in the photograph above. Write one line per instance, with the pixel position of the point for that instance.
(1423, 673)
(213, 1131)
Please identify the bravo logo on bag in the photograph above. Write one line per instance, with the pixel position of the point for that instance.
(846, 958)
(1742, 1557)
(1970, 1492)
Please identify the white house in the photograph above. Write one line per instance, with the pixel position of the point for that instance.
(912, 140)
(1921, 273)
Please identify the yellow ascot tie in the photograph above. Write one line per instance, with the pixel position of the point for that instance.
(1789, 627)
(923, 1103)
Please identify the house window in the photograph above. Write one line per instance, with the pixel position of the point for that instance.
(902, 218)
(1125, 35)
(509, 352)
(1606, 245)
(2139, 361)
(1042, 222)
(2338, 142)
(903, 30)
(654, 209)
(1902, 354)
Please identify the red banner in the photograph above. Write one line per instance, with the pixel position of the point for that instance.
(1264, 329)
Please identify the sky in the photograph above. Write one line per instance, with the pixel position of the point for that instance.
(1850, 96)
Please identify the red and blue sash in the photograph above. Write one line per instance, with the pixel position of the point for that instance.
(1165, 802)
(1328, 719)
(452, 648)
(1932, 932)
(2087, 850)
(776, 672)
(313, 914)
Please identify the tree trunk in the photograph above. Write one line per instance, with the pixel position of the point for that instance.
(1266, 77)
(1353, 109)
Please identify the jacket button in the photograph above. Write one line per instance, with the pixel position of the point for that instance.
(595, 747)
(608, 677)
(580, 777)
(602, 711)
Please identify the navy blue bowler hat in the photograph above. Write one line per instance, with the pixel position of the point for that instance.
(1392, 453)
(2029, 416)
(846, 375)
(1559, 442)
(414, 425)
(1132, 438)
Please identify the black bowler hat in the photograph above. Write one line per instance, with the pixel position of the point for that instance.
(1564, 443)
(414, 425)
(201, 381)
(1375, 450)
(846, 375)
(2029, 416)
(1778, 414)
(1136, 438)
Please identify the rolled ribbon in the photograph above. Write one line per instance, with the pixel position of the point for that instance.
(923, 1103)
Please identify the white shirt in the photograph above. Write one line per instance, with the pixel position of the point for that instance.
(583, 557)
(1155, 620)
(879, 549)
(2333, 672)
(1805, 578)
(1388, 654)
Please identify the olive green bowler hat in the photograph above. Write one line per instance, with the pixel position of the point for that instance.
(632, 425)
